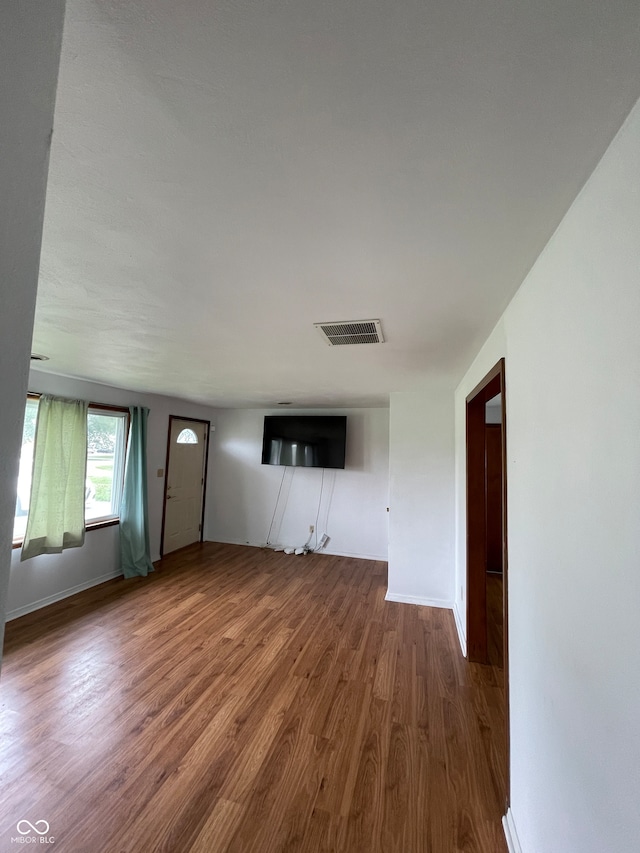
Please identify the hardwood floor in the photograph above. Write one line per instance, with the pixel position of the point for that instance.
(243, 701)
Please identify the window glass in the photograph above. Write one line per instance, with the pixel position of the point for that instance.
(106, 432)
(187, 436)
(26, 465)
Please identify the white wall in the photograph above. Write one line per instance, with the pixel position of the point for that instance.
(421, 523)
(47, 578)
(30, 37)
(572, 350)
(353, 508)
(493, 411)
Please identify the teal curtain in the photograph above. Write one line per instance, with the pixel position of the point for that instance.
(56, 502)
(135, 556)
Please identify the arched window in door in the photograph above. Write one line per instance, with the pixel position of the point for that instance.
(187, 436)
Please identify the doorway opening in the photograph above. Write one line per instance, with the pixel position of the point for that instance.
(184, 483)
(487, 559)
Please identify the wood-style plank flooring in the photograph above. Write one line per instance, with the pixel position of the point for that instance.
(242, 701)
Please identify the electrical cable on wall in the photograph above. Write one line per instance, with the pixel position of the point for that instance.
(328, 510)
(318, 512)
(275, 509)
(292, 470)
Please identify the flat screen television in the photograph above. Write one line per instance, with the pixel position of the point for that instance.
(308, 441)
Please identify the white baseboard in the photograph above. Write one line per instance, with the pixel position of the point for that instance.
(510, 833)
(320, 551)
(462, 637)
(418, 599)
(352, 554)
(58, 596)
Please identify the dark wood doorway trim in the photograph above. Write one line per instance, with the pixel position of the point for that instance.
(477, 637)
(173, 418)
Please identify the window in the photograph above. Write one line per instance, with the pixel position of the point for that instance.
(106, 445)
(106, 448)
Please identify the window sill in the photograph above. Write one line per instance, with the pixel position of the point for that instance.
(92, 525)
(104, 522)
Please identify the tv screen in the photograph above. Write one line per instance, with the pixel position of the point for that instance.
(310, 441)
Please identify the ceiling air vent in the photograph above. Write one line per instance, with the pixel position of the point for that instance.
(354, 332)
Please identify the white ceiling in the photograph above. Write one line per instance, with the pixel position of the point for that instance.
(224, 174)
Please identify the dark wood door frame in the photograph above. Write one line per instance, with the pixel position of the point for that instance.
(173, 418)
(477, 640)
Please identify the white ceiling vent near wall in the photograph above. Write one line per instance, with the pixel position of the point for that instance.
(350, 332)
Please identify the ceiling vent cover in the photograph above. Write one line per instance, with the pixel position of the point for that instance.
(353, 332)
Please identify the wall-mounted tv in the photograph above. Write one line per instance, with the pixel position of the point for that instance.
(309, 441)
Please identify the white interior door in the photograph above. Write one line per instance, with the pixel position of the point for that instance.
(185, 484)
